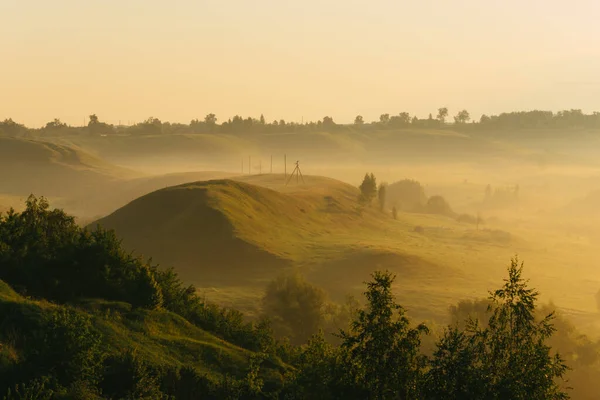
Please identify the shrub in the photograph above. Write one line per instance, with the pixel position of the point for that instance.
(407, 195)
(295, 307)
(438, 205)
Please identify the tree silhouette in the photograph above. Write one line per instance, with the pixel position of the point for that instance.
(368, 189)
(442, 114)
(462, 117)
(381, 195)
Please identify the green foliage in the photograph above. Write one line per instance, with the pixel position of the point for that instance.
(507, 359)
(128, 377)
(381, 349)
(295, 307)
(44, 253)
(368, 189)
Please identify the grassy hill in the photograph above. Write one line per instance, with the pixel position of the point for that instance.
(204, 225)
(159, 338)
(102, 200)
(36, 166)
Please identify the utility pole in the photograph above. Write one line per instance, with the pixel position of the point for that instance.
(242, 166)
(298, 174)
(249, 165)
(271, 163)
(285, 165)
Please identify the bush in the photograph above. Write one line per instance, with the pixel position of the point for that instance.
(438, 205)
(43, 253)
(295, 307)
(407, 195)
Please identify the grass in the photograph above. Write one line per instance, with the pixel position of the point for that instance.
(158, 337)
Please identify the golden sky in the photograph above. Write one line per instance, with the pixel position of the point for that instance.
(181, 59)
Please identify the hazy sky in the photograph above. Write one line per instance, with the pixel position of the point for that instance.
(181, 59)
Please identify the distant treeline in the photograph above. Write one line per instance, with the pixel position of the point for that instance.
(210, 124)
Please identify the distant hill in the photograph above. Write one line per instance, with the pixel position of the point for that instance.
(34, 166)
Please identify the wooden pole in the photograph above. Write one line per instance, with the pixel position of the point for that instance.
(285, 165)
(271, 163)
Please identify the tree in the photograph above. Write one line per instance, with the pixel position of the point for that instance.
(404, 118)
(442, 114)
(394, 212)
(381, 195)
(438, 205)
(210, 120)
(359, 120)
(381, 349)
(368, 189)
(462, 117)
(328, 122)
(93, 120)
(262, 119)
(56, 124)
(295, 307)
(384, 119)
(509, 358)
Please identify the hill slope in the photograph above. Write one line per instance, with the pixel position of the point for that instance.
(54, 170)
(158, 338)
(201, 227)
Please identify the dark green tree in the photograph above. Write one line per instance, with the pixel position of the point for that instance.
(381, 348)
(295, 307)
(509, 358)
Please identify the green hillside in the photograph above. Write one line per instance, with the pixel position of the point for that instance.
(158, 337)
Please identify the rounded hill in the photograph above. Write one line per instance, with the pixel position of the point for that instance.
(231, 227)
